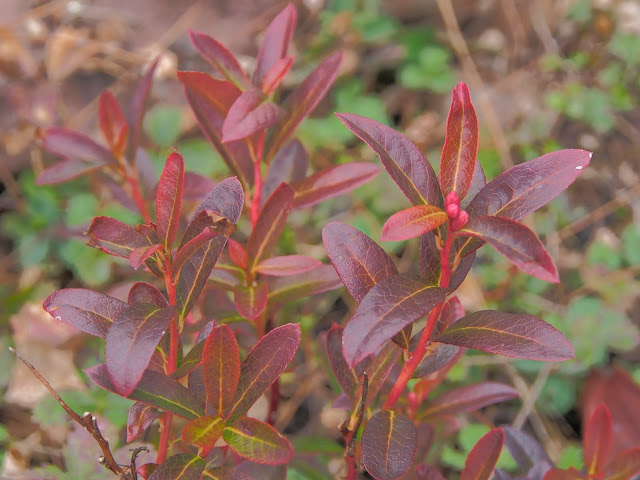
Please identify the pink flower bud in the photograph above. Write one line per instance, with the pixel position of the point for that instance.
(452, 205)
(460, 221)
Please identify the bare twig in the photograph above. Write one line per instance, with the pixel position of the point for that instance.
(87, 421)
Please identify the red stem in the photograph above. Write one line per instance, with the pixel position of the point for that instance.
(137, 197)
(257, 181)
(432, 320)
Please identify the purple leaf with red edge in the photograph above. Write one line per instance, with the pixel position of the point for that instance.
(137, 106)
(210, 100)
(289, 165)
(478, 181)
(271, 220)
(510, 334)
(262, 366)
(156, 389)
(332, 182)
(378, 368)
(389, 444)
(141, 254)
(430, 267)
(65, 170)
(252, 112)
(275, 75)
(112, 122)
(74, 145)
(483, 457)
(224, 473)
(131, 341)
(385, 310)
(516, 242)
(220, 58)
(184, 466)
(275, 44)
(196, 186)
(294, 287)
(221, 367)
(142, 292)
(303, 100)
(287, 265)
(203, 432)
(88, 311)
(348, 378)
(623, 466)
(458, 160)
(192, 246)
(359, 261)
(258, 441)
(525, 450)
(597, 439)
(468, 399)
(427, 472)
(558, 474)
(146, 470)
(169, 198)
(403, 160)
(411, 222)
(437, 356)
(114, 237)
(140, 417)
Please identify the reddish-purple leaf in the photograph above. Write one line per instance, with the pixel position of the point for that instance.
(88, 311)
(478, 181)
(303, 100)
(623, 466)
(210, 100)
(141, 254)
(65, 170)
(275, 75)
(169, 198)
(403, 337)
(142, 292)
(359, 261)
(430, 267)
(483, 457)
(251, 112)
(258, 441)
(146, 470)
(262, 366)
(224, 473)
(131, 341)
(140, 417)
(530, 185)
(114, 237)
(558, 474)
(196, 186)
(378, 367)
(386, 309)
(271, 220)
(510, 334)
(403, 160)
(411, 222)
(289, 165)
(220, 367)
(136, 109)
(238, 254)
(332, 182)
(220, 58)
(226, 199)
(427, 472)
(347, 378)
(437, 356)
(74, 145)
(275, 44)
(458, 159)
(389, 443)
(192, 246)
(203, 432)
(112, 122)
(468, 399)
(287, 265)
(156, 389)
(516, 242)
(184, 466)
(294, 287)
(524, 449)
(597, 439)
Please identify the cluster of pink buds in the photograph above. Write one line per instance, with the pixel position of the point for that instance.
(459, 217)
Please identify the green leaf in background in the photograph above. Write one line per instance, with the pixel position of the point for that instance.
(162, 124)
(625, 46)
(571, 456)
(431, 71)
(80, 210)
(90, 264)
(558, 395)
(630, 244)
(200, 157)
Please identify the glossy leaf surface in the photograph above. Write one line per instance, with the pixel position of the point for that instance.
(140, 417)
(271, 221)
(220, 58)
(250, 301)
(258, 441)
(515, 242)
(509, 334)
(287, 265)
(469, 399)
(386, 309)
(194, 245)
(142, 292)
(437, 356)
(275, 44)
(156, 389)
(220, 367)
(411, 222)
(203, 432)
(304, 99)
(597, 439)
(184, 466)
(389, 444)
(263, 365)
(251, 112)
(88, 311)
(359, 261)
(483, 457)
(458, 160)
(332, 182)
(400, 156)
(141, 254)
(169, 198)
(131, 341)
(114, 237)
